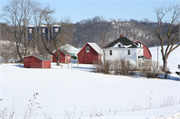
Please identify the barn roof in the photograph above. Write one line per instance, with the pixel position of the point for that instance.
(40, 57)
(69, 48)
(96, 48)
(64, 51)
(122, 40)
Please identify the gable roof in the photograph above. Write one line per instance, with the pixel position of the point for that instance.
(69, 48)
(122, 40)
(96, 48)
(64, 51)
(39, 57)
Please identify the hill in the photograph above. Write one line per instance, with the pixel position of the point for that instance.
(102, 32)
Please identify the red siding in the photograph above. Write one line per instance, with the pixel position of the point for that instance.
(88, 57)
(146, 51)
(46, 64)
(68, 58)
(33, 62)
(62, 57)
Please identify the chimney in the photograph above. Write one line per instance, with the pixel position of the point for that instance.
(121, 35)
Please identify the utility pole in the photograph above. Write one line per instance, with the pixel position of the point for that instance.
(157, 56)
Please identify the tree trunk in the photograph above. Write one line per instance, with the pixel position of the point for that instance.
(57, 60)
(164, 65)
(20, 55)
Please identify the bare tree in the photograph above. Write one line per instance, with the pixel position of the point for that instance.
(63, 35)
(172, 34)
(18, 14)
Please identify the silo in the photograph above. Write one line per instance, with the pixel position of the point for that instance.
(54, 30)
(44, 32)
(30, 32)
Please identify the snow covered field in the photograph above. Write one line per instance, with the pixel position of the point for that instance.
(77, 92)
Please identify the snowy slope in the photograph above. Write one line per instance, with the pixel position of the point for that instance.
(61, 91)
(173, 60)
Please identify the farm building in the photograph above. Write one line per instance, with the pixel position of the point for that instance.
(65, 57)
(36, 61)
(146, 51)
(90, 53)
(123, 48)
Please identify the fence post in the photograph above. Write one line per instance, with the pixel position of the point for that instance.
(61, 65)
(78, 64)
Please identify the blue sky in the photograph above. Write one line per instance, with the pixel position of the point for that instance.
(78, 10)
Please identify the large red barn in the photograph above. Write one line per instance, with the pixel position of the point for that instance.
(36, 61)
(65, 57)
(146, 51)
(90, 53)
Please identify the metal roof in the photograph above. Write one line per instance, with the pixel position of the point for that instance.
(40, 57)
(64, 51)
(96, 48)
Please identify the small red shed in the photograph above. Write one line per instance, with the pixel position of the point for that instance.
(146, 51)
(89, 53)
(65, 57)
(36, 61)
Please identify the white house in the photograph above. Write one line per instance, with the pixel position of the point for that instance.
(123, 48)
(70, 49)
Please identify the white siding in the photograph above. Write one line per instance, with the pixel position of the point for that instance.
(122, 53)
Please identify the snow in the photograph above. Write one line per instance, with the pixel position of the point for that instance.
(79, 93)
(173, 60)
(96, 47)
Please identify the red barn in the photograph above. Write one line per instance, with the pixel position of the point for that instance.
(65, 57)
(89, 53)
(146, 51)
(36, 61)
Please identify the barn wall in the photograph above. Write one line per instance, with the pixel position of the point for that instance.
(62, 57)
(46, 64)
(35, 62)
(32, 62)
(87, 57)
(27, 63)
(147, 53)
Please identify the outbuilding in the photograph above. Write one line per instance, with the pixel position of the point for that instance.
(65, 57)
(146, 51)
(36, 61)
(90, 53)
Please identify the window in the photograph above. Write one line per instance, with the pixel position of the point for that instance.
(128, 52)
(110, 52)
(119, 45)
(87, 49)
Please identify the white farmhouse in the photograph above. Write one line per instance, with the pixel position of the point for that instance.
(123, 48)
